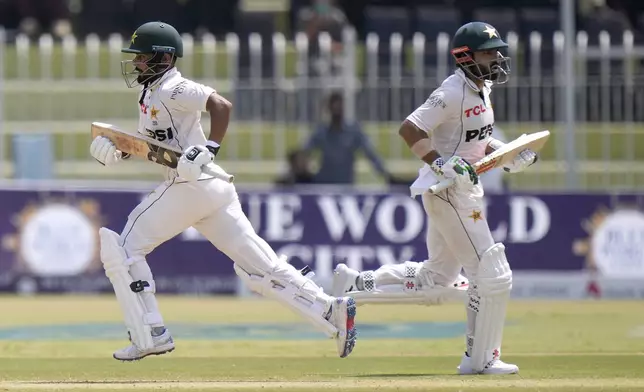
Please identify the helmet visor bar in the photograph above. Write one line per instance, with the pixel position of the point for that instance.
(155, 66)
(496, 69)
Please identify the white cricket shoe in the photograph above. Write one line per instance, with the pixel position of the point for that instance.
(494, 367)
(162, 344)
(343, 313)
(344, 280)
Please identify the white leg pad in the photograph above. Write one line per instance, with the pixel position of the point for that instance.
(290, 294)
(406, 293)
(137, 319)
(491, 290)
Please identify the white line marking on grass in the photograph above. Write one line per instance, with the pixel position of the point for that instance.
(398, 384)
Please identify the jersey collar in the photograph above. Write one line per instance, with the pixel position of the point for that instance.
(487, 85)
(172, 72)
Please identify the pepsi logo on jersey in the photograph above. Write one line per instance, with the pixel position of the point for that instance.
(476, 110)
(161, 134)
(479, 134)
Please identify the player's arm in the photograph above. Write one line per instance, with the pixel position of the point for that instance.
(442, 106)
(418, 127)
(191, 96)
(220, 109)
(418, 142)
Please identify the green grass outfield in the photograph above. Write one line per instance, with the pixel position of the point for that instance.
(559, 346)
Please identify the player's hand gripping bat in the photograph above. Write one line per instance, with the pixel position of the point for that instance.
(150, 149)
(502, 156)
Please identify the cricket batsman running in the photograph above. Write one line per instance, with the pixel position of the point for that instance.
(170, 109)
(451, 129)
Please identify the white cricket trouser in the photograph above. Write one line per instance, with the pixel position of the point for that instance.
(457, 237)
(212, 207)
(458, 234)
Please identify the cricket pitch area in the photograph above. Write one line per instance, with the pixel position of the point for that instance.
(65, 343)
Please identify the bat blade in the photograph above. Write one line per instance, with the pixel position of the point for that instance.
(138, 145)
(507, 153)
(502, 156)
(149, 149)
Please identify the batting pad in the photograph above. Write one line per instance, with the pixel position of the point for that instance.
(137, 319)
(408, 293)
(289, 294)
(493, 286)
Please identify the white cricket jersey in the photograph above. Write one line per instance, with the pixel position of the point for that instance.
(171, 112)
(459, 118)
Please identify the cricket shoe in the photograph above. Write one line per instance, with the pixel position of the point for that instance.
(496, 366)
(162, 344)
(343, 314)
(344, 280)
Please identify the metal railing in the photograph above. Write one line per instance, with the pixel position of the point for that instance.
(277, 87)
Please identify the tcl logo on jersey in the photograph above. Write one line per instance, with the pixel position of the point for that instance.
(476, 110)
(479, 134)
(161, 134)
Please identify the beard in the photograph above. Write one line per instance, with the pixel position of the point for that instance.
(490, 71)
(143, 76)
(493, 70)
(151, 73)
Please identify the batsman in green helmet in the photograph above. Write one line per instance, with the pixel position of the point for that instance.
(157, 46)
(170, 108)
(478, 51)
(451, 129)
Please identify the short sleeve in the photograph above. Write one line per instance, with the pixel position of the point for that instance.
(437, 109)
(189, 96)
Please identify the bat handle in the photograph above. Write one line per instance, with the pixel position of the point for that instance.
(217, 172)
(441, 186)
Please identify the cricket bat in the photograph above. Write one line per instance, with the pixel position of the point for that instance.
(150, 149)
(502, 156)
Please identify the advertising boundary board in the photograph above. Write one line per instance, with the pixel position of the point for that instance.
(559, 245)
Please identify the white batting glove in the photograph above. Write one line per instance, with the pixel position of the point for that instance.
(104, 151)
(192, 161)
(457, 168)
(521, 161)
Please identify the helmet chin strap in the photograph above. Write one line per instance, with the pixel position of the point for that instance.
(145, 89)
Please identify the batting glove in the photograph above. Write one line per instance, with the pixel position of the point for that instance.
(457, 168)
(192, 161)
(104, 151)
(522, 161)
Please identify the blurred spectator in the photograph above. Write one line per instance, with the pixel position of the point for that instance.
(298, 169)
(323, 16)
(338, 142)
(43, 16)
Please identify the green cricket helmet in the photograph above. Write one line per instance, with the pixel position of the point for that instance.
(478, 37)
(155, 39)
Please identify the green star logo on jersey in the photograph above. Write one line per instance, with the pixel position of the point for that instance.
(488, 29)
(134, 36)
